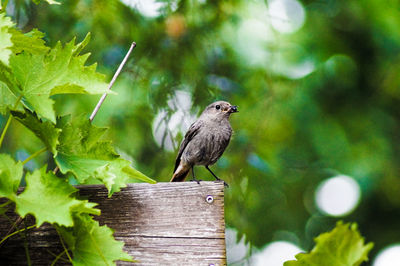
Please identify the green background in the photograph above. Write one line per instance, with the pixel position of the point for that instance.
(293, 130)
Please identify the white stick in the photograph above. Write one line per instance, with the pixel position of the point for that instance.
(133, 45)
(96, 109)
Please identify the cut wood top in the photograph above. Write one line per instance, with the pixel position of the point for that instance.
(180, 223)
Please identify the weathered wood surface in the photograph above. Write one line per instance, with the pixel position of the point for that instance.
(161, 224)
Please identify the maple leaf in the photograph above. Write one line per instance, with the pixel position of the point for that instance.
(10, 176)
(117, 173)
(49, 198)
(44, 130)
(61, 70)
(8, 99)
(92, 244)
(342, 246)
(82, 152)
(30, 42)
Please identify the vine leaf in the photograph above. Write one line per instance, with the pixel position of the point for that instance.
(7, 99)
(342, 246)
(44, 130)
(92, 244)
(49, 199)
(82, 152)
(117, 174)
(10, 176)
(61, 70)
(5, 38)
(30, 42)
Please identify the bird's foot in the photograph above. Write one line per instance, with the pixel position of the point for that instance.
(196, 180)
(220, 180)
(225, 184)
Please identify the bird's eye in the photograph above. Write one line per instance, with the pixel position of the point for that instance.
(217, 107)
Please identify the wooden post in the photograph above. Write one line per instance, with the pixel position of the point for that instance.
(161, 224)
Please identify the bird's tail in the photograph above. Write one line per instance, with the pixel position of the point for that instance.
(179, 176)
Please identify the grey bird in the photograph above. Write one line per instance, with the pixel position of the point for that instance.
(205, 141)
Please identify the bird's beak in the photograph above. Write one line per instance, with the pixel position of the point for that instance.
(233, 109)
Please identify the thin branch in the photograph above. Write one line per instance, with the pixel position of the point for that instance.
(9, 121)
(56, 170)
(16, 232)
(14, 225)
(34, 155)
(96, 109)
(28, 257)
(57, 258)
(63, 245)
(5, 129)
(5, 203)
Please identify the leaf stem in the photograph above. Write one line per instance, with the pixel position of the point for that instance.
(9, 121)
(28, 257)
(57, 258)
(34, 155)
(5, 203)
(62, 243)
(4, 5)
(5, 129)
(96, 109)
(17, 232)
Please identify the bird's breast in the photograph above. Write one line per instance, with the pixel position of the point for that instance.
(208, 146)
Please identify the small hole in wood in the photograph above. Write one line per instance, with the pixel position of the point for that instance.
(209, 200)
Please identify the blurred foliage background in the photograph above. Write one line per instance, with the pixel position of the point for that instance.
(316, 82)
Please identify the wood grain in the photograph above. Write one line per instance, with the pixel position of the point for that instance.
(161, 224)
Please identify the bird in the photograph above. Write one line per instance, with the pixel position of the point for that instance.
(205, 141)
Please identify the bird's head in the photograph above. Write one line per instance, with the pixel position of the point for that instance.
(220, 109)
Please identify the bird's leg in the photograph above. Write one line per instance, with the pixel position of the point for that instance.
(193, 177)
(216, 177)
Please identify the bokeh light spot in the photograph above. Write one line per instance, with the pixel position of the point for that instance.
(148, 8)
(275, 254)
(235, 251)
(166, 128)
(338, 195)
(253, 34)
(175, 26)
(287, 16)
(389, 256)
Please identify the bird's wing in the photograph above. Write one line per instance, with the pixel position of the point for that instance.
(193, 131)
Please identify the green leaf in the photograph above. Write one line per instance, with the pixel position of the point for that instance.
(342, 246)
(82, 152)
(44, 130)
(135, 175)
(61, 70)
(7, 99)
(5, 38)
(30, 42)
(117, 173)
(49, 198)
(92, 244)
(10, 176)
